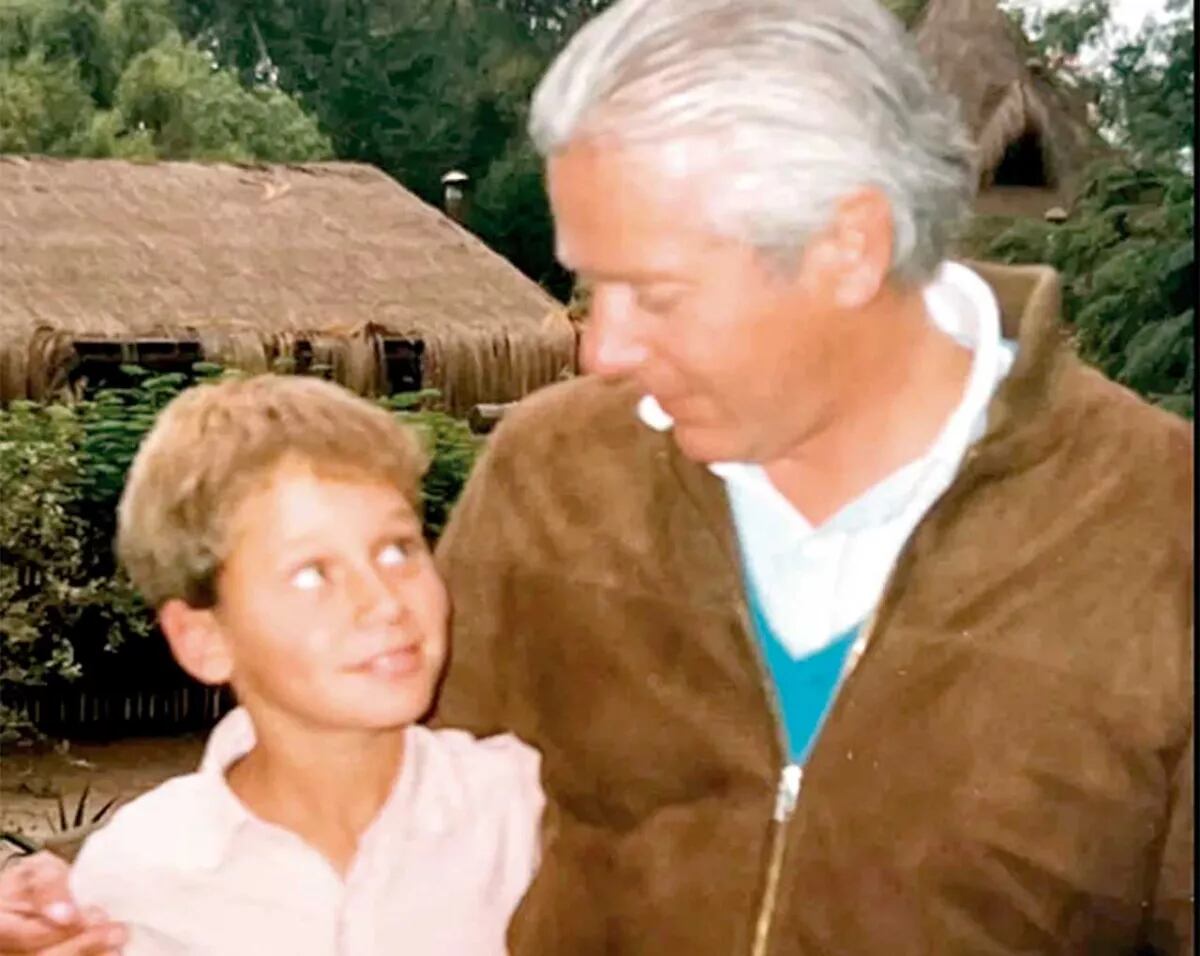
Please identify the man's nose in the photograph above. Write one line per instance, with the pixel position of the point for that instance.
(613, 341)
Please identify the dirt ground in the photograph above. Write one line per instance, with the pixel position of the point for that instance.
(31, 777)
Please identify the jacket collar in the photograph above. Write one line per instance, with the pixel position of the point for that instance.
(1019, 429)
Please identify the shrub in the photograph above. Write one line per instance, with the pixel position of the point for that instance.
(47, 584)
(1127, 258)
(452, 448)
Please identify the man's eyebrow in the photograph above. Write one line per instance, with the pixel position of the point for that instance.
(639, 277)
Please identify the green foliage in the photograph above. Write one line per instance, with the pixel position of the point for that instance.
(1128, 262)
(391, 82)
(113, 424)
(44, 107)
(194, 111)
(64, 31)
(134, 26)
(1069, 30)
(451, 447)
(512, 212)
(551, 21)
(115, 78)
(1126, 251)
(1149, 101)
(47, 583)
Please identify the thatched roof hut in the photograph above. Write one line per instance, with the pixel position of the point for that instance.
(1032, 132)
(325, 263)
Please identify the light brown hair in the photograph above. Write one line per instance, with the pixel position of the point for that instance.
(215, 444)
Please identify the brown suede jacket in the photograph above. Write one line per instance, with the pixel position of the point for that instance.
(1009, 769)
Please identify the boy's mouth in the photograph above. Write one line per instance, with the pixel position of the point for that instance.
(403, 661)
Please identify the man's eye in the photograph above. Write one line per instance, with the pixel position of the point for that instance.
(392, 555)
(659, 301)
(308, 578)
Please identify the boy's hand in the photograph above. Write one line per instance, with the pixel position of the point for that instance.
(38, 916)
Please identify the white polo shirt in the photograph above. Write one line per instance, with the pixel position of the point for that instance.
(190, 870)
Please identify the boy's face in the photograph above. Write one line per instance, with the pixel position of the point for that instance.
(329, 607)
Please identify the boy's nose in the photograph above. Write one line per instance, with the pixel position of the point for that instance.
(375, 602)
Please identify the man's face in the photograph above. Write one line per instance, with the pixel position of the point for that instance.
(329, 604)
(744, 353)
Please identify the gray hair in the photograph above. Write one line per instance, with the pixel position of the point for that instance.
(811, 99)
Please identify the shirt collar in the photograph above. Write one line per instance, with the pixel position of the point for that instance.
(963, 306)
(220, 816)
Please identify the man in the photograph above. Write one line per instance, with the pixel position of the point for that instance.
(851, 614)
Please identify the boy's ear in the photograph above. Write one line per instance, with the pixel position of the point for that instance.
(197, 641)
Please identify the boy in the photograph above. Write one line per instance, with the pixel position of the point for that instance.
(272, 522)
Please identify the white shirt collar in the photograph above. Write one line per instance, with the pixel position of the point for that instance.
(221, 816)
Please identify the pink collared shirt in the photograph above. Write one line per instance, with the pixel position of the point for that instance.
(191, 871)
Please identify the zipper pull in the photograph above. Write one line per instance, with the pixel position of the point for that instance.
(789, 790)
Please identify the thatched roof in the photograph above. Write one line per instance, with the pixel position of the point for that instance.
(249, 260)
(1018, 114)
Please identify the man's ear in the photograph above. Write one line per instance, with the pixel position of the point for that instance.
(197, 641)
(854, 250)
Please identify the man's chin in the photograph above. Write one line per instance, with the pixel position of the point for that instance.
(703, 446)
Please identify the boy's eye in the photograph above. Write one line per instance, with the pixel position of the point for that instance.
(392, 555)
(308, 578)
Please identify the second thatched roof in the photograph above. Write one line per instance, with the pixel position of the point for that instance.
(1017, 113)
(248, 260)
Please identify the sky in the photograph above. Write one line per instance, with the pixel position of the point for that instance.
(1127, 13)
(1127, 16)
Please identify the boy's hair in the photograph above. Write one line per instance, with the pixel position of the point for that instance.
(215, 444)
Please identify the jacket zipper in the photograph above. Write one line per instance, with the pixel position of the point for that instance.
(791, 777)
(785, 795)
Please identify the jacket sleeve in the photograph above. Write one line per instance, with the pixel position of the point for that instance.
(1172, 930)
(473, 558)
(1171, 925)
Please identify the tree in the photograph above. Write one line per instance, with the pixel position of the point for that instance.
(190, 110)
(391, 83)
(48, 584)
(1062, 34)
(1150, 101)
(552, 22)
(44, 107)
(115, 78)
(415, 87)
